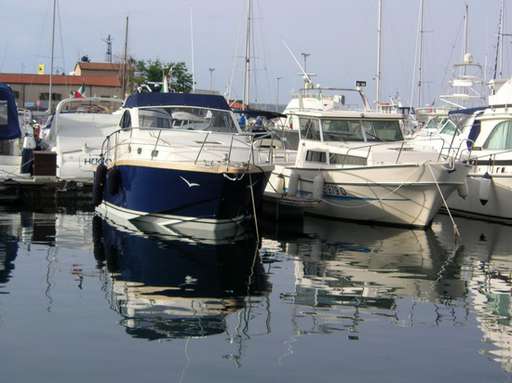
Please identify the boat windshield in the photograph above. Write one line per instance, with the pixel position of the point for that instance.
(187, 118)
(435, 122)
(3, 113)
(91, 106)
(449, 128)
(361, 130)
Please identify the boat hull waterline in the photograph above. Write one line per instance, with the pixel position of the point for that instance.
(404, 195)
(181, 202)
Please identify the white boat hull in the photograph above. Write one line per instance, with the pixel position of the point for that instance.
(403, 195)
(498, 206)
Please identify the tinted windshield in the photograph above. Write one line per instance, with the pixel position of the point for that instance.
(187, 118)
(351, 130)
(383, 130)
(342, 130)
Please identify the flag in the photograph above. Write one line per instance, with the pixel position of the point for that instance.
(80, 92)
(40, 69)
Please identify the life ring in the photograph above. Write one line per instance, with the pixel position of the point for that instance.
(98, 185)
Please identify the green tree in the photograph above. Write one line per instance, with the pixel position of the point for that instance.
(153, 71)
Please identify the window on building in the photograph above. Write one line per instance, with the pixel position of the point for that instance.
(16, 94)
(46, 96)
(501, 137)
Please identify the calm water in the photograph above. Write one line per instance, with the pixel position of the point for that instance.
(83, 301)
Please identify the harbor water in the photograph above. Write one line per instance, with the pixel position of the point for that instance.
(82, 300)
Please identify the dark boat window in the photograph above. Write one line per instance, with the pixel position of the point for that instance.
(126, 121)
(474, 133)
(309, 129)
(342, 130)
(314, 156)
(3, 113)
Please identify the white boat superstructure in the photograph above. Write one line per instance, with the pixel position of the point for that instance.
(78, 129)
(357, 166)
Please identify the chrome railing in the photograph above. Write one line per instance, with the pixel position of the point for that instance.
(247, 144)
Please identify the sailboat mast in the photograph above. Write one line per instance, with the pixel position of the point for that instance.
(125, 59)
(50, 90)
(379, 54)
(420, 55)
(192, 48)
(502, 29)
(247, 72)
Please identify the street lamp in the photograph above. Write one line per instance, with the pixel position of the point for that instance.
(277, 93)
(211, 77)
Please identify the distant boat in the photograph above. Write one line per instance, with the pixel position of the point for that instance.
(76, 133)
(180, 165)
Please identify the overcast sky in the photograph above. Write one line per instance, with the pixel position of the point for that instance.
(340, 35)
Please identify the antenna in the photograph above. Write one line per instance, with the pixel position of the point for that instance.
(108, 53)
(307, 78)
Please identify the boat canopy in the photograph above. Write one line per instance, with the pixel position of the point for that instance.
(467, 111)
(177, 99)
(9, 123)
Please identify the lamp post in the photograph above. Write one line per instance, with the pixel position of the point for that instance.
(277, 93)
(211, 77)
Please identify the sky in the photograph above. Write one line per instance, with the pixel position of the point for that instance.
(340, 35)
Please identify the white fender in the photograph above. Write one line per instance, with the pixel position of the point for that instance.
(485, 188)
(462, 190)
(293, 184)
(318, 187)
(279, 188)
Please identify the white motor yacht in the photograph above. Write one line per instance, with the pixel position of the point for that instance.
(356, 165)
(78, 128)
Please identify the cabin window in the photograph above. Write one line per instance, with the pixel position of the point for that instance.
(343, 159)
(449, 128)
(157, 118)
(383, 130)
(3, 113)
(309, 129)
(126, 120)
(501, 137)
(342, 130)
(314, 156)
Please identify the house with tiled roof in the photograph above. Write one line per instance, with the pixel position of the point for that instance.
(95, 79)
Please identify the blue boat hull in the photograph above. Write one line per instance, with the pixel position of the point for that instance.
(188, 194)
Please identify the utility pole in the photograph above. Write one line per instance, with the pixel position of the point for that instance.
(108, 54)
(211, 77)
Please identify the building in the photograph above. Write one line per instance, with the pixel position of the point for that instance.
(94, 79)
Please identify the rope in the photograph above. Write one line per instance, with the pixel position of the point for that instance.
(254, 208)
(456, 232)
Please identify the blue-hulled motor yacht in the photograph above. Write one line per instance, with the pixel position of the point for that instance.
(180, 165)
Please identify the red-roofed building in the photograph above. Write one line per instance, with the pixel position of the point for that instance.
(98, 79)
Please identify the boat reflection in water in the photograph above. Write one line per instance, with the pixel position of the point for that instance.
(488, 272)
(173, 289)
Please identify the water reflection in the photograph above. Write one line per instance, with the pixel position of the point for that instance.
(172, 288)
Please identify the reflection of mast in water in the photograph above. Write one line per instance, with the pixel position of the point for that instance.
(345, 272)
(176, 289)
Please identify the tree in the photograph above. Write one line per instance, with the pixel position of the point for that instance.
(152, 71)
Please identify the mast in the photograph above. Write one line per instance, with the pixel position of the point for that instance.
(379, 53)
(50, 90)
(192, 48)
(502, 28)
(125, 59)
(466, 39)
(247, 72)
(420, 55)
